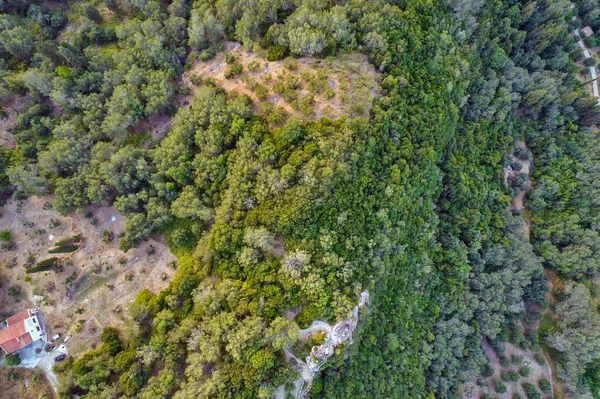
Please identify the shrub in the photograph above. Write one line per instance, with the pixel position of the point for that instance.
(275, 53)
(530, 391)
(590, 61)
(505, 363)
(591, 41)
(539, 358)
(111, 339)
(544, 385)
(207, 54)
(516, 359)
(524, 371)
(499, 386)
(516, 396)
(66, 245)
(108, 236)
(12, 360)
(488, 370)
(229, 58)
(510, 376)
(5, 235)
(290, 63)
(261, 92)
(42, 266)
(254, 66)
(234, 70)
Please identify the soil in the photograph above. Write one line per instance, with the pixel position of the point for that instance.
(104, 280)
(22, 385)
(536, 373)
(353, 79)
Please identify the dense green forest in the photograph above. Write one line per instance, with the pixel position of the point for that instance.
(409, 203)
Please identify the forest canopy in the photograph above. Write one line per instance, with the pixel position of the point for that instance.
(424, 200)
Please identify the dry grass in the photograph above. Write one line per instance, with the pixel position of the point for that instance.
(344, 86)
(21, 384)
(102, 284)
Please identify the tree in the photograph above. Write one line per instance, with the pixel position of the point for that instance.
(18, 42)
(578, 339)
(12, 360)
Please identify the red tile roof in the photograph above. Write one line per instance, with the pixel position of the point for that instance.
(17, 318)
(14, 337)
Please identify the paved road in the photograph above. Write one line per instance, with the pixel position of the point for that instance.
(587, 54)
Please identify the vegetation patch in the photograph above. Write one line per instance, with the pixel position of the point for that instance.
(66, 245)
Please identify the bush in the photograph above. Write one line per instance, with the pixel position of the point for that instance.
(488, 370)
(229, 58)
(505, 363)
(42, 266)
(539, 358)
(66, 245)
(510, 376)
(530, 391)
(275, 53)
(516, 359)
(12, 360)
(5, 235)
(524, 371)
(290, 63)
(590, 61)
(111, 339)
(499, 386)
(207, 54)
(516, 396)
(254, 66)
(261, 92)
(234, 70)
(544, 385)
(108, 236)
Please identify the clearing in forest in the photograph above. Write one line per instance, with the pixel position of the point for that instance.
(308, 87)
(93, 285)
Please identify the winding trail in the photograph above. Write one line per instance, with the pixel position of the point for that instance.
(587, 54)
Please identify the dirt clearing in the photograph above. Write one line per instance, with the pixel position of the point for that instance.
(97, 281)
(308, 87)
(24, 384)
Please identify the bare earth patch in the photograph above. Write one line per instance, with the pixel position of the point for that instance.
(23, 384)
(100, 279)
(352, 80)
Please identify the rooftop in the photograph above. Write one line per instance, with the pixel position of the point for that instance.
(22, 329)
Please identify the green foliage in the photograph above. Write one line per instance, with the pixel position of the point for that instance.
(66, 245)
(530, 391)
(499, 386)
(544, 385)
(508, 376)
(524, 371)
(12, 360)
(42, 266)
(5, 235)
